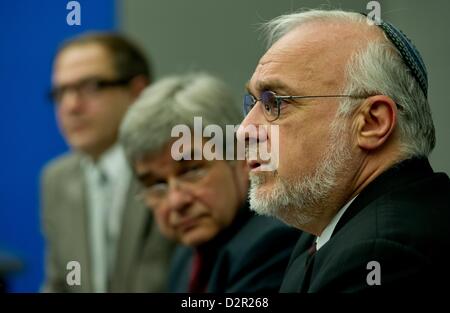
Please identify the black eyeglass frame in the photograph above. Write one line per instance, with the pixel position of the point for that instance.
(278, 100)
(57, 93)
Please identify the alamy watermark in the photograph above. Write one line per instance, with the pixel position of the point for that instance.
(374, 16)
(373, 278)
(74, 16)
(257, 143)
(73, 277)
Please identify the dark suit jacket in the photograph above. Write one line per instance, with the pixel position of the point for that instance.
(400, 220)
(143, 254)
(249, 256)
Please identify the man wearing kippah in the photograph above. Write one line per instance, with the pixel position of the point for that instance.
(355, 132)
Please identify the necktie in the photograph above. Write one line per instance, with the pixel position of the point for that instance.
(309, 265)
(198, 279)
(311, 251)
(107, 257)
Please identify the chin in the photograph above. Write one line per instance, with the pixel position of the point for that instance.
(80, 143)
(196, 237)
(269, 196)
(262, 182)
(87, 147)
(262, 205)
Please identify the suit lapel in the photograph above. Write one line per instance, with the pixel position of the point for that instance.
(180, 271)
(135, 219)
(76, 203)
(296, 276)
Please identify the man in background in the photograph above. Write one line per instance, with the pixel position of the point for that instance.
(200, 201)
(90, 213)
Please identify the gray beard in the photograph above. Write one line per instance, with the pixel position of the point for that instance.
(303, 200)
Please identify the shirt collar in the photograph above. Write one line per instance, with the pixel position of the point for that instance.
(112, 162)
(328, 231)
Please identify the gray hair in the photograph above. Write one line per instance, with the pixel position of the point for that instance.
(172, 101)
(376, 69)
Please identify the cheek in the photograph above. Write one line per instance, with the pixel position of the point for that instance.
(61, 116)
(300, 149)
(101, 113)
(108, 108)
(162, 217)
(120, 101)
(220, 203)
(291, 150)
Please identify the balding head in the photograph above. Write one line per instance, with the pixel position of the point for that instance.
(323, 43)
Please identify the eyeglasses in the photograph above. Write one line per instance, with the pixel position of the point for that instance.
(189, 177)
(86, 88)
(271, 102)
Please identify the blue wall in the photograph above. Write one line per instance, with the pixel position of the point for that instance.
(31, 31)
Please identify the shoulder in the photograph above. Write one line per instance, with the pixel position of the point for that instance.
(263, 239)
(60, 165)
(180, 269)
(263, 231)
(405, 231)
(182, 254)
(55, 180)
(256, 257)
(409, 215)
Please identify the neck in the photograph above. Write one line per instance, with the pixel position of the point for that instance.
(372, 167)
(96, 154)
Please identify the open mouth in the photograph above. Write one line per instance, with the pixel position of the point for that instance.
(254, 165)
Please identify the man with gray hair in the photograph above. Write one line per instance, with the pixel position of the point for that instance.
(198, 201)
(355, 130)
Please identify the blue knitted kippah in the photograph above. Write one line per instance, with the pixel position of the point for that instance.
(408, 52)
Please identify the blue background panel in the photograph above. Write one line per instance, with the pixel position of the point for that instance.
(29, 137)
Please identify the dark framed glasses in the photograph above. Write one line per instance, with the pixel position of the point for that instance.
(271, 102)
(86, 87)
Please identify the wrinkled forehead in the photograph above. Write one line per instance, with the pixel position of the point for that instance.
(172, 156)
(312, 53)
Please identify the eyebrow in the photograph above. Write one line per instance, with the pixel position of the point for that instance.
(148, 175)
(274, 85)
(144, 176)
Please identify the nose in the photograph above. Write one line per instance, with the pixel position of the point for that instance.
(71, 102)
(178, 198)
(253, 127)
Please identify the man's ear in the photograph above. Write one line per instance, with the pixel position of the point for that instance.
(376, 120)
(137, 84)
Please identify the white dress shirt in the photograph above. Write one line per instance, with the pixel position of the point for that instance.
(107, 182)
(328, 231)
